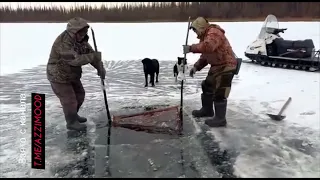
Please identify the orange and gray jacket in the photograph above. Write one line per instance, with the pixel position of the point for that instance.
(213, 46)
(65, 59)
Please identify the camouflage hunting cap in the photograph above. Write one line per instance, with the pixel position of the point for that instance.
(200, 24)
(76, 24)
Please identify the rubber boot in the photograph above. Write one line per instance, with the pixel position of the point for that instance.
(207, 107)
(73, 123)
(219, 120)
(80, 119)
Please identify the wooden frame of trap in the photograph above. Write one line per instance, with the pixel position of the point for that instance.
(165, 121)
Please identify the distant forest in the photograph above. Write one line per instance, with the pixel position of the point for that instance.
(168, 12)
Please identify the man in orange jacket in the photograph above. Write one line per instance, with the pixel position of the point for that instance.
(215, 50)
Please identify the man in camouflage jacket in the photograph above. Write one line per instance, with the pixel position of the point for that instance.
(69, 52)
(216, 51)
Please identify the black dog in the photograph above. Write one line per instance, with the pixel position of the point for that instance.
(178, 67)
(150, 67)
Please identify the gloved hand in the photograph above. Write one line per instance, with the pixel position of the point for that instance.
(192, 71)
(186, 49)
(101, 71)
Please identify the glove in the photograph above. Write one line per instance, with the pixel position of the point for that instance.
(101, 71)
(192, 71)
(186, 49)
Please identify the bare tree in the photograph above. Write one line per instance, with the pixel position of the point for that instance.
(166, 11)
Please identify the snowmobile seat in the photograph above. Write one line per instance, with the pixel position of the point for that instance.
(308, 43)
(282, 46)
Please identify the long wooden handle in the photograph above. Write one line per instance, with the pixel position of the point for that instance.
(181, 93)
(94, 40)
(284, 106)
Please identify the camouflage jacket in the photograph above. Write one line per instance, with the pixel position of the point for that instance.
(67, 56)
(215, 49)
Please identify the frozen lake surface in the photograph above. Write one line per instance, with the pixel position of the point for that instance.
(251, 146)
(27, 45)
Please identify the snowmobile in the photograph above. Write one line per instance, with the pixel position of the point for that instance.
(270, 49)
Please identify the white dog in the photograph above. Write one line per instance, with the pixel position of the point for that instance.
(178, 69)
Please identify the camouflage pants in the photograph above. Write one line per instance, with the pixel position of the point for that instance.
(218, 83)
(71, 96)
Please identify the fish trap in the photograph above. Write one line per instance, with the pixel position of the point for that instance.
(164, 120)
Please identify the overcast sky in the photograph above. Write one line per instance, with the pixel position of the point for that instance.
(66, 4)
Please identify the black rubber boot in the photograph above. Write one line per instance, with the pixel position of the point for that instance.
(82, 119)
(219, 119)
(207, 107)
(73, 123)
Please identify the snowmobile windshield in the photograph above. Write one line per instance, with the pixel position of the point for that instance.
(270, 23)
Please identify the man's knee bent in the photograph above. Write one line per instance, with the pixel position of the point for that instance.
(221, 94)
(69, 104)
(226, 80)
(66, 95)
(80, 97)
(207, 87)
(79, 91)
